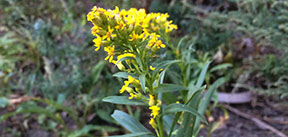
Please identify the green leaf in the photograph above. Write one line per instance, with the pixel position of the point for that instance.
(168, 123)
(162, 76)
(122, 59)
(164, 64)
(35, 110)
(138, 60)
(202, 75)
(96, 71)
(137, 134)
(129, 122)
(104, 114)
(88, 128)
(124, 75)
(206, 100)
(61, 98)
(175, 107)
(142, 81)
(7, 115)
(221, 66)
(69, 110)
(3, 102)
(194, 100)
(177, 116)
(170, 88)
(169, 97)
(123, 100)
(192, 91)
(180, 42)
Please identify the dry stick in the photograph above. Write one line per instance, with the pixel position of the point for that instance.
(258, 122)
(275, 121)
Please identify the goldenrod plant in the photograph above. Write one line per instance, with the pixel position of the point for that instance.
(132, 39)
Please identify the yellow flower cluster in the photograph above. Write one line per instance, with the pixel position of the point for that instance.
(154, 107)
(127, 28)
(134, 82)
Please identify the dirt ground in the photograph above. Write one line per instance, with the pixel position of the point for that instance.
(272, 113)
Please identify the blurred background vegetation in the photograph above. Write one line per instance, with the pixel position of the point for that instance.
(46, 51)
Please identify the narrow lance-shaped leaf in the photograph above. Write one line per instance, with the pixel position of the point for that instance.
(201, 78)
(123, 75)
(206, 100)
(88, 128)
(122, 59)
(192, 91)
(195, 99)
(168, 122)
(175, 107)
(221, 66)
(142, 82)
(138, 134)
(123, 100)
(177, 116)
(163, 64)
(129, 122)
(96, 71)
(169, 88)
(139, 62)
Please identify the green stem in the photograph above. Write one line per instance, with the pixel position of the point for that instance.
(160, 124)
(85, 116)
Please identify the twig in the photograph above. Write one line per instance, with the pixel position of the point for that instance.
(258, 122)
(275, 121)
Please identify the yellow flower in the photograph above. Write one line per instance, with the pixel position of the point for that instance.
(155, 111)
(159, 44)
(132, 95)
(133, 80)
(155, 28)
(116, 10)
(151, 100)
(152, 68)
(154, 38)
(151, 42)
(94, 30)
(133, 36)
(123, 13)
(130, 20)
(152, 123)
(109, 34)
(97, 42)
(129, 90)
(125, 55)
(162, 18)
(120, 25)
(90, 15)
(127, 82)
(119, 65)
(169, 26)
(110, 51)
(145, 33)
